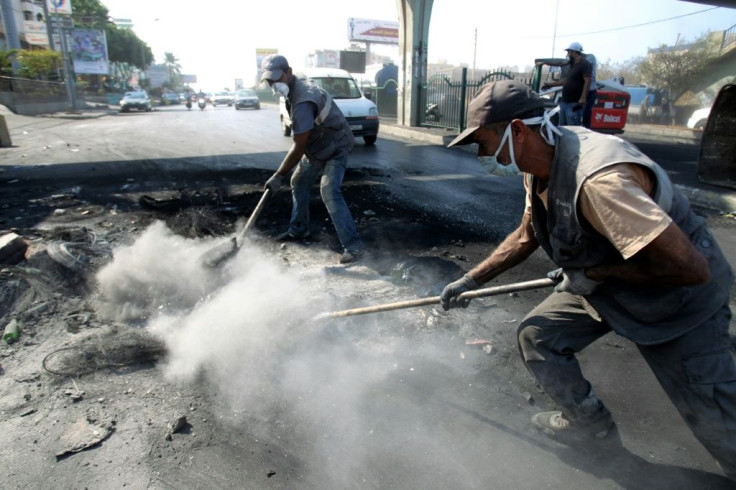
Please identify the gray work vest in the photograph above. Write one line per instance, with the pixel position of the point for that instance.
(646, 315)
(331, 136)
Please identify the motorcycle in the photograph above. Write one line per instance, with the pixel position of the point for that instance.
(202, 103)
(189, 103)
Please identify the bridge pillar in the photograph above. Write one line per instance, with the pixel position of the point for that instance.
(414, 18)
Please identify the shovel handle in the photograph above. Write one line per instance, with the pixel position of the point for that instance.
(433, 300)
(254, 215)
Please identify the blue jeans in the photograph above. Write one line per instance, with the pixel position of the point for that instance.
(332, 172)
(568, 116)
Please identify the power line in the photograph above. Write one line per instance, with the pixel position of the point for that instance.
(638, 25)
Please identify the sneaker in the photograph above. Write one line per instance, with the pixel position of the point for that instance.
(554, 423)
(288, 236)
(350, 256)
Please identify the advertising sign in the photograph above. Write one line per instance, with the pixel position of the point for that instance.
(59, 6)
(158, 75)
(373, 31)
(89, 51)
(35, 33)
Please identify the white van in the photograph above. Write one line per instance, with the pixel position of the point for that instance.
(361, 113)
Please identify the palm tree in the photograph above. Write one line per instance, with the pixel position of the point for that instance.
(173, 66)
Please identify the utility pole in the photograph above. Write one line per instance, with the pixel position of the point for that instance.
(66, 62)
(554, 37)
(475, 49)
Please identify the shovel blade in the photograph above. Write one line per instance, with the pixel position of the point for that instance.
(220, 253)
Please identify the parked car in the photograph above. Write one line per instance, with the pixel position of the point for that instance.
(361, 113)
(699, 119)
(135, 100)
(247, 98)
(222, 98)
(170, 98)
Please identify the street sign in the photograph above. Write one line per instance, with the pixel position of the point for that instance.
(59, 7)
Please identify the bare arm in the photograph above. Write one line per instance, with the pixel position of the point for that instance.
(586, 88)
(514, 249)
(669, 260)
(295, 153)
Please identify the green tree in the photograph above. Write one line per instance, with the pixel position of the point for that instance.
(628, 69)
(42, 64)
(174, 69)
(6, 62)
(675, 70)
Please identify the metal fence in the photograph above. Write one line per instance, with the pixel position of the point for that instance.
(36, 88)
(444, 102)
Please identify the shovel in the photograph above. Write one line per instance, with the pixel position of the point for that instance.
(220, 253)
(433, 300)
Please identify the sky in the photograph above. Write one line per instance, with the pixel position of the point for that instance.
(218, 42)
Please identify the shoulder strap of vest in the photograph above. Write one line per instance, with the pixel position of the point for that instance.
(325, 110)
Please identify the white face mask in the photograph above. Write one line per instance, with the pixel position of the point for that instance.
(490, 163)
(548, 131)
(280, 89)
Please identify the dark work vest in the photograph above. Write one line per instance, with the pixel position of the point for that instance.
(332, 138)
(646, 315)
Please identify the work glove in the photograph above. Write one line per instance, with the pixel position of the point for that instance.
(448, 298)
(573, 281)
(274, 183)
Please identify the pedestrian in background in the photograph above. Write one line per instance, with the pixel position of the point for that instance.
(575, 86)
(634, 259)
(322, 142)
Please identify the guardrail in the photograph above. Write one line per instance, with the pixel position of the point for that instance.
(30, 97)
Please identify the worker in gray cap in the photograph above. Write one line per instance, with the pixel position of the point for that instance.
(633, 258)
(322, 142)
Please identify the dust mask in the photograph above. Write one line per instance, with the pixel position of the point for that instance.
(280, 89)
(547, 130)
(490, 163)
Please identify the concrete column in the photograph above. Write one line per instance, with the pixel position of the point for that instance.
(12, 40)
(414, 18)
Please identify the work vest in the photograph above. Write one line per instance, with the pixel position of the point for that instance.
(331, 136)
(646, 315)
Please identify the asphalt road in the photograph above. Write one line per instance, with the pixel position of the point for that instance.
(439, 416)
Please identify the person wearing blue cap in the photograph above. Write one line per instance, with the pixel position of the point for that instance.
(633, 258)
(322, 140)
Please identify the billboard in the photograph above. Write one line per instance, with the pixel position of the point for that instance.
(188, 78)
(373, 31)
(59, 6)
(89, 51)
(352, 61)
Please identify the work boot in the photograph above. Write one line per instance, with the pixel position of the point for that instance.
(288, 236)
(350, 256)
(590, 417)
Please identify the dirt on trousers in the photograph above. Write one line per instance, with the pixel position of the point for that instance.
(103, 394)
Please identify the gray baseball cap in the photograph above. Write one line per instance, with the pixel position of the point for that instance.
(273, 67)
(502, 100)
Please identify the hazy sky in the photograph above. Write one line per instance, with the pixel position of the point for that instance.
(217, 41)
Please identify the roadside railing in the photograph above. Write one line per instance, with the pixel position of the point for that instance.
(445, 101)
(729, 38)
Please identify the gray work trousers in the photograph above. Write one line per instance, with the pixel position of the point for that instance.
(696, 370)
